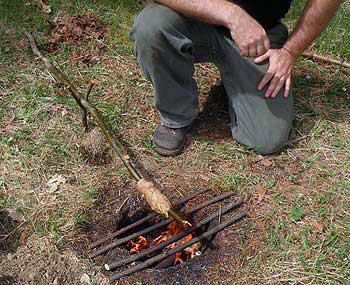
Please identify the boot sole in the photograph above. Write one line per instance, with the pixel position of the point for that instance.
(169, 152)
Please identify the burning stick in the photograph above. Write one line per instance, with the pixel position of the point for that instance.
(164, 255)
(171, 240)
(157, 226)
(143, 220)
(157, 200)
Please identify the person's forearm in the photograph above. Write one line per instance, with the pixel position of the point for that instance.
(248, 34)
(316, 16)
(217, 12)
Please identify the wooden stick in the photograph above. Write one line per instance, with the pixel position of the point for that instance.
(158, 202)
(164, 255)
(116, 145)
(171, 240)
(327, 59)
(141, 221)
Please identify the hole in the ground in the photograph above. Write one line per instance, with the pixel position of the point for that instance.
(149, 241)
(9, 235)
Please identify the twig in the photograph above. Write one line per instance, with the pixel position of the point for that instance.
(117, 146)
(327, 59)
(143, 220)
(121, 206)
(164, 255)
(145, 231)
(171, 240)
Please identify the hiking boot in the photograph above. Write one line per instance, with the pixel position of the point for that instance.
(170, 141)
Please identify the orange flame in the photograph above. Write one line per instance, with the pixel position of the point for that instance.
(139, 245)
(173, 229)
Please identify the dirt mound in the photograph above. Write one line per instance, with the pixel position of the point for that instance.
(72, 29)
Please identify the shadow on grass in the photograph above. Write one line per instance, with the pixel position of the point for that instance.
(319, 102)
(213, 121)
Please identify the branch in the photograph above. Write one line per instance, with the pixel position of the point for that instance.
(158, 201)
(327, 59)
(164, 255)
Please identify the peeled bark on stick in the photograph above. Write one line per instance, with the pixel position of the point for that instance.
(157, 200)
(326, 59)
(154, 197)
(143, 220)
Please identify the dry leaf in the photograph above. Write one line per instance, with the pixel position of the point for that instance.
(71, 29)
(54, 182)
(64, 112)
(16, 215)
(261, 194)
(320, 225)
(45, 8)
(268, 162)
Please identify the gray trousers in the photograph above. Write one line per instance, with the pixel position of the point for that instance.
(167, 45)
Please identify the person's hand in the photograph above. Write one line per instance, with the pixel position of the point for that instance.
(279, 73)
(249, 35)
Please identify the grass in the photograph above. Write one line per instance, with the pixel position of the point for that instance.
(298, 200)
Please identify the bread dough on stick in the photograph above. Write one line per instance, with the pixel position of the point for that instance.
(155, 198)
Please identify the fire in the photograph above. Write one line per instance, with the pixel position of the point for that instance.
(173, 229)
(140, 244)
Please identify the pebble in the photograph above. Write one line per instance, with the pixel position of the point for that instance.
(85, 279)
(10, 256)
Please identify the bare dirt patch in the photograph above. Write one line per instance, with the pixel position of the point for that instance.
(72, 29)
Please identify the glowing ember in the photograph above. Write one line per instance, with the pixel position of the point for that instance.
(173, 229)
(139, 245)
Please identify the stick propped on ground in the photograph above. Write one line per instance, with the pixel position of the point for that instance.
(157, 200)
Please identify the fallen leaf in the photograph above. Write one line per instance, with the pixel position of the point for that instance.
(54, 182)
(320, 225)
(268, 162)
(261, 194)
(45, 8)
(64, 112)
(16, 215)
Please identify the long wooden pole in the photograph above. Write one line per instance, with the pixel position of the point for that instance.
(117, 145)
(157, 200)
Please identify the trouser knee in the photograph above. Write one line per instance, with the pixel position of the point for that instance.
(269, 144)
(270, 147)
(152, 25)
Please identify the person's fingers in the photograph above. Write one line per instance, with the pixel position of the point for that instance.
(287, 87)
(252, 51)
(273, 84)
(278, 88)
(260, 49)
(267, 43)
(262, 57)
(267, 77)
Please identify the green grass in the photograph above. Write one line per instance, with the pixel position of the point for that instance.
(328, 43)
(297, 200)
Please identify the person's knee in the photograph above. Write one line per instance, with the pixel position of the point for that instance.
(266, 145)
(264, 141)
(151, 25)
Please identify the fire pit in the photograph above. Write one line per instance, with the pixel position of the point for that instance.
(172, 245)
